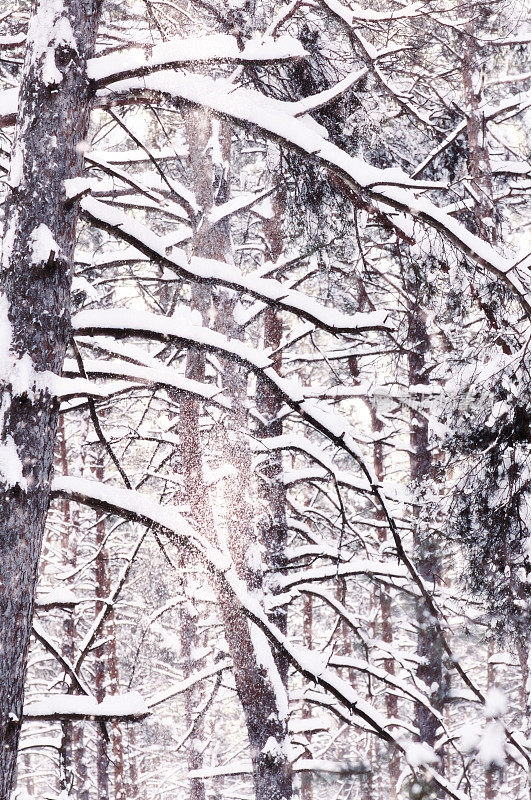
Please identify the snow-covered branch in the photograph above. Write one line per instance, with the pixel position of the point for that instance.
(209, 271)
(390, 187)
(313, 666)
(125, 707)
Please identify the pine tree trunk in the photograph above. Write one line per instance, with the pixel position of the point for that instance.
(273, 523)
(132, 761)
(79, 751)
(36, 272)
(194, 754)
(102, 586)
(106, 670)
(524, 657)
(427, 560)
(266, 723)
(490, 777)
(307, 619)
(478, 153)
(385, 603)
(68, 553)
(255, 682)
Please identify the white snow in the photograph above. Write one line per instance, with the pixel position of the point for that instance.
(130, 704)
(8, 103)
(107, 321)
(470, 738)
(420, 754)
(11, 465)
(49, 27)
(178, 51)
(222, 46)
(58, 596)
(81, 284)
(6, 338)
(42, 244)
(8, 239)
(495, 703)
(274, 748)
(492, 745)
(17, 164)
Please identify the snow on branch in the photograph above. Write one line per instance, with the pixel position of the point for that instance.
(389, 489)
(354, 13)
(343, 768)
(134, 505)
(408, 691)
(118, 707)
(160, 376)
(354, 566)
(210, 271)
(187, 683)
(391, 187)
(177, 53)
(123, 323)
(142, 508)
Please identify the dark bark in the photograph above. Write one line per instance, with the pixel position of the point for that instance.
(68, 547)
(273, 524)
(385, 603)
(35, 292)
(478, 153)
(102, 590)
(427, 559)
(256, 691)
(307, 640)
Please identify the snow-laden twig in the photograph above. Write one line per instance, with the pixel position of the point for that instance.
(210, 271)
(313, 666)
(392, 187)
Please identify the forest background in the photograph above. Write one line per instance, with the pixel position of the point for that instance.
(279, 254)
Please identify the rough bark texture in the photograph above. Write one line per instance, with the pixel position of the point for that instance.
(258, 696)
(427, 559)
(35, 293)
(385, 603)
(478, 153)
(68, 547)
(273, 524)
(102, 590)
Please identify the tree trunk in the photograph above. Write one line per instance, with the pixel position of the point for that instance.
(427, 560)
(266, 719)
(273, 524)
(385, 603)
(307, 641)
(132, 761)
(478, 153)
(34, 319)
(102, 586)
(194, 727)
(68, 546)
